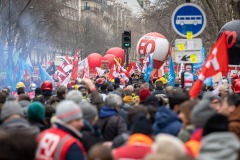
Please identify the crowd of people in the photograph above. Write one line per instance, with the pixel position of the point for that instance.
(102, 120)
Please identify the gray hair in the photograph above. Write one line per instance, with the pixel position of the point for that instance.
(113, 100)
(75, 96)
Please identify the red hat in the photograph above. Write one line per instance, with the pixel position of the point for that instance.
(143, 94)
(236, 87)
(100, 80)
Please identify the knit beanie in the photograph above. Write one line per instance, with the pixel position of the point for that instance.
(201, 113)
(11, 108)
(68, 111)
(143, 94)
(36, 111)
(75, 96)
(141, 125)
(152, 100)
(216, 123)
(89, 111)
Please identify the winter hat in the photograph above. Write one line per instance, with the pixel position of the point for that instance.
(143, 94)
(11, 108)
(210, 96)
(152, 100)
(201, 113)
(216, 123)
(141, 125)
(166, 144)
(36, 111)
(75, 96)
(89, 111)
(68, 111)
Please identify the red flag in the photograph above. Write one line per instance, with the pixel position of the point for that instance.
(68, 59)
(217, 61)
(75, 67)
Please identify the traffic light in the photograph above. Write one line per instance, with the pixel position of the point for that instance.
(126, 39)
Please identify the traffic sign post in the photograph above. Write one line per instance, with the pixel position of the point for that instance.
(188, 20)
(188, 50)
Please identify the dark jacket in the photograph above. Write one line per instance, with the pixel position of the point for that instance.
(166, 121)
(111, 124)
(91, 135)
(40, 124)
(74, 151)
(19, 125)
(158, 91)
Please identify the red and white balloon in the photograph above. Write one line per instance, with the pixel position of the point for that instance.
(155, 44)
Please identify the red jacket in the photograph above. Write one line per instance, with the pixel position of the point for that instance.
(54, 143)
(138, 147)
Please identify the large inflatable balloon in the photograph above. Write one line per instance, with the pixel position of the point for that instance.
(118, 52)
(110, 59)
(94, 60)
(155, 44)
(233, 30)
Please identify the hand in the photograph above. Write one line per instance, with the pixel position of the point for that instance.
(89, 83)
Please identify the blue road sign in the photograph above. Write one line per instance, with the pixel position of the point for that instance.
(188, 17)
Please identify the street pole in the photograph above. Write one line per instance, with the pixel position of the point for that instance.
(127, 57)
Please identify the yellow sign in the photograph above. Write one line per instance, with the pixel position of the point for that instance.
(193, 58)
(189, 35)
(181, 47)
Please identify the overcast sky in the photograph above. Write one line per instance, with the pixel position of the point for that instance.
(133, 4)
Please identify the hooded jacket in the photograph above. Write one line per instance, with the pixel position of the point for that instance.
(219, 146)
(110, 123)
(166, 121)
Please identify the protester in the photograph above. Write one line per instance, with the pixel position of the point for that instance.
(140, 141)
(64, 137)
(12, 119)
(110, 122)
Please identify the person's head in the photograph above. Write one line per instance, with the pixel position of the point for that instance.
(169, 90)
(141, 125)
(61, 92)
(17, 146)
(229, 104)
(11, 109)
(214, 99)
(143, 94)
(133, 111)
(159, 84)
(127, 92)
(75, 96)
(3, 97)
(176, 99)
(100, 152)
(113, 101)
(84, 90)
(110, 88)
(36, 111)
(144, 86)
(90, 112)
(131, 88)
(47, 86)
(70, 113)
(23, 97)
(166, 144)
(201, 113)
(38, 91)
(6, 91)
(216, 123)
(20, 90)
(224, 90)
(104, 86)
(185, 111)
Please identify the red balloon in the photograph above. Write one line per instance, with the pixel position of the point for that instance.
(94, 60)
(110, 58)
(118, 52)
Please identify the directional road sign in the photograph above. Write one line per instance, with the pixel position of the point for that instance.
(188, 20)
(188, 57)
